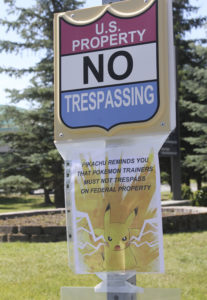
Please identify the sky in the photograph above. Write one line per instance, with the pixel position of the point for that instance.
(28, 58)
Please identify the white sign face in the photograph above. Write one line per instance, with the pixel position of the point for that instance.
(120, 66)
(109, 70)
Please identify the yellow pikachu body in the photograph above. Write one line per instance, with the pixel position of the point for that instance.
(118, 255)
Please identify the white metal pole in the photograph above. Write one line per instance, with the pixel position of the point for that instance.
(111, 277)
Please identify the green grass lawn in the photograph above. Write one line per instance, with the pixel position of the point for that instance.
(10, 203)
(30, 271)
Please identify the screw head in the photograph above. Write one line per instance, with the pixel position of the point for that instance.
(60, 134)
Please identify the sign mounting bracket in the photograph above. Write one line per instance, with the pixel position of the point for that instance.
(109, 1)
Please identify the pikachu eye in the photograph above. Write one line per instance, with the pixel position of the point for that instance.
(109, 239)
(124, 238)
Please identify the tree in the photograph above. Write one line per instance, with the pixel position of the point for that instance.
(196, 102)
(183, 23)
(185, 57)
(32, 146)
(28, 156)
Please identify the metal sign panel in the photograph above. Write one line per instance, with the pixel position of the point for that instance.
(112, 70)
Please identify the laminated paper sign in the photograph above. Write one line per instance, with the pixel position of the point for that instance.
(114, 197)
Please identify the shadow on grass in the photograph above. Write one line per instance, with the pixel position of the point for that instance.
(42, 205)
(10, 200)
(15, 202)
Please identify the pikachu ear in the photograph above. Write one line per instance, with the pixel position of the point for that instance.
(131, 217)
(107, 216)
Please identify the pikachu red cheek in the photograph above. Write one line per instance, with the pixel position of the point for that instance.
(117, 248)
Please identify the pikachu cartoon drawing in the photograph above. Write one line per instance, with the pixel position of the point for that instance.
(117, 231)
(118, 254)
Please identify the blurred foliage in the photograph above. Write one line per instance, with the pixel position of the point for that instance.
(32, 152)
(16, 184)
(186, 193)
(200, 197)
